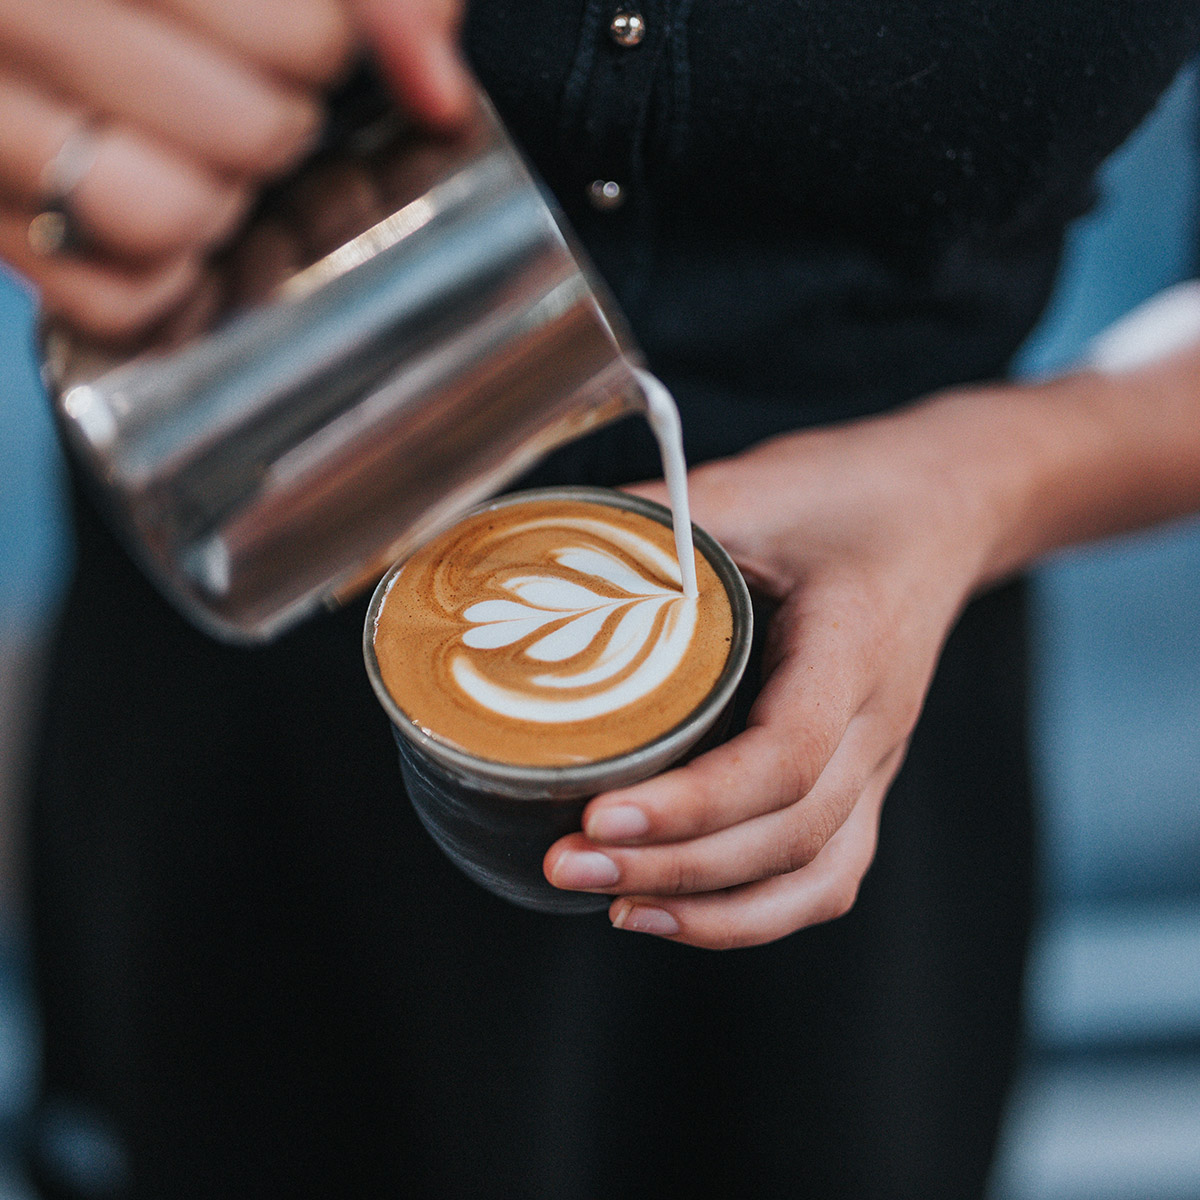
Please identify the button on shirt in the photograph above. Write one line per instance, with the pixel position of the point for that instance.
(824, 212)
(609, 99)
(627, 63)
(627, 28)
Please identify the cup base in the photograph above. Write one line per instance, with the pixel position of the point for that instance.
(497, 842)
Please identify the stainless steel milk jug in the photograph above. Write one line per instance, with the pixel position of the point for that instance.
(403, 327)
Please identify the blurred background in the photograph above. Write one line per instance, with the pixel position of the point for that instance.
(1109, 1107)
(1109, 1103)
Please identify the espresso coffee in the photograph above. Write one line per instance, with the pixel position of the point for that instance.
(551, 632)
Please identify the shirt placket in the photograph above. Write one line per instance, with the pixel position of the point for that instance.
(610, 106)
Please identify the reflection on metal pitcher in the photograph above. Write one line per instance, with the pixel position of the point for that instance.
(401, 328)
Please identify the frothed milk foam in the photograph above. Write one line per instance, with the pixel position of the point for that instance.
(551, 632)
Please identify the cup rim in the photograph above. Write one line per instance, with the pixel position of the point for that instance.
(579, 779)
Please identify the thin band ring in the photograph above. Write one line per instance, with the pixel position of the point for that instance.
(56, 228)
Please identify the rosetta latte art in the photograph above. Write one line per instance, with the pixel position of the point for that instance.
(609, 648)
(551, 631)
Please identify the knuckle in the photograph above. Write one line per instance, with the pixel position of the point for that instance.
(330, 42)
(277, 137)
(320, 42)
(228, 210)
(698, 799)
(682, 876)
(802, 759)
(791, 855)
(903, 712)
(813, 826)
(716, 926)
(824, 820)
(707, 803)
(116, 307)
(186, 217)
(735, 930)
(144, 201)
(794, 853)
(217, 212)
(839, 899)
(725, 936)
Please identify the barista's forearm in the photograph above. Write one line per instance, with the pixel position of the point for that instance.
(1078, 458)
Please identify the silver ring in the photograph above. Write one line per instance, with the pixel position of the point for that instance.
(56, 228)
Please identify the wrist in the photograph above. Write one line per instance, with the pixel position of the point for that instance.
(1043, 466)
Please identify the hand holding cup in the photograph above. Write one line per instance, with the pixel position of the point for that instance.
(868, 545)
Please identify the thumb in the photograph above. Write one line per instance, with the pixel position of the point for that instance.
(416, 44)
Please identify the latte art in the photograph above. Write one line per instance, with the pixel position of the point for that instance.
(551, 632)
(614, 635)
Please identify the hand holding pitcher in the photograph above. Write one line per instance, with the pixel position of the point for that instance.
(138, 135)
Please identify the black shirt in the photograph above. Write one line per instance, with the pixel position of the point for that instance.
(257, 974)
(829, 207)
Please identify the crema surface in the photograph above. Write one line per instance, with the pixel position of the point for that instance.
(551, 632)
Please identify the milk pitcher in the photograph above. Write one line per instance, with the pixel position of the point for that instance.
(401, 328)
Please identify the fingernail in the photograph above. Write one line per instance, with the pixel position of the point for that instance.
(618, 824)
(584, 869)
(641, 919)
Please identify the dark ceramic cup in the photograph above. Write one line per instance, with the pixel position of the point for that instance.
(496, 820)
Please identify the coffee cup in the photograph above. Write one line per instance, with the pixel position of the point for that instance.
(513, 703)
